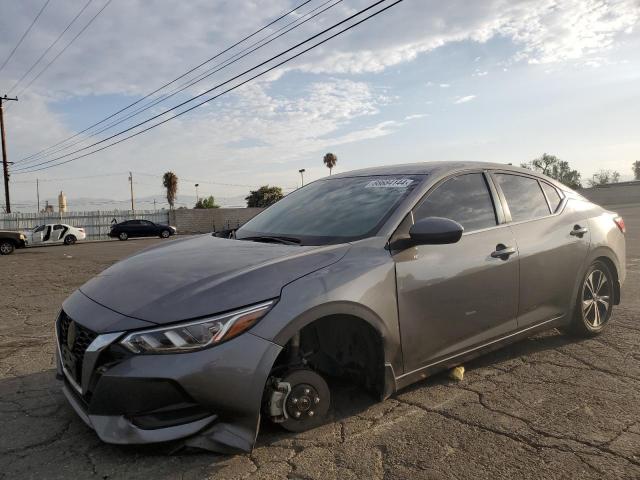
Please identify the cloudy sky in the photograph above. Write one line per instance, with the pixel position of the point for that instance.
(426, 80)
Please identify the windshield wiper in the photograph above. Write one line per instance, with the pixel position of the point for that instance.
(274, 239)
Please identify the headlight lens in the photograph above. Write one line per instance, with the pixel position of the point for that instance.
(197, 334)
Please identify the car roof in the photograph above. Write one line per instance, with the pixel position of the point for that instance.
(442, 168)
(428, 168)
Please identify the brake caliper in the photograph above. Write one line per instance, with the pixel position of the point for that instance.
(277, 394)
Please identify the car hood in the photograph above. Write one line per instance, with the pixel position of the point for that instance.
(202, 276)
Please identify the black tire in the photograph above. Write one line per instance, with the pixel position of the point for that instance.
(70, 240)
(123, 236)
(165, 234)
(6, 247)
(308, 402)
(594, 303)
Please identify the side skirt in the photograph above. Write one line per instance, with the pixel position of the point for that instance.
(455, 360)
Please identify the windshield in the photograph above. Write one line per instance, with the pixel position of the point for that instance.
(332, 210)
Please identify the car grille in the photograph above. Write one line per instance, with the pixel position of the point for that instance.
(74, 340)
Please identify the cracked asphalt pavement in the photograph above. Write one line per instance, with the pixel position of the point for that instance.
(547, 407)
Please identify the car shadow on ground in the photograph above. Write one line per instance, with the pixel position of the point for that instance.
(35, 414)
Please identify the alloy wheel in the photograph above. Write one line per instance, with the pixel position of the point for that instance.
(6, 248)
(596, 298)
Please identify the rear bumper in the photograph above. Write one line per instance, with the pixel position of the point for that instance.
(208, 399)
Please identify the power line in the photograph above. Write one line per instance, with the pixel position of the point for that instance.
(53, 44)
(174, 80)
(86, 177)
(64, 49)
(24, 35)
(32, 169)
(207, 73)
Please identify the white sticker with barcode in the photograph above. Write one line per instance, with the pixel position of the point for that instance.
(389, 183)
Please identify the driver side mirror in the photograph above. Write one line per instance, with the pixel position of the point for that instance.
(435, 231)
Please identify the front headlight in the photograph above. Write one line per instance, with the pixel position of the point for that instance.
(22, 237)
(197, 334)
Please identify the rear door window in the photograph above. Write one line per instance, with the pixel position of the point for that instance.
(552, 195)
(465, 199)
(524, 196)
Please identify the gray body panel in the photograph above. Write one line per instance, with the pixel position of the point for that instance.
(551, 262)
(203, 276)
(451, 297)
(433, 306)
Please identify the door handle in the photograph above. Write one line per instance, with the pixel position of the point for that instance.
(503, 252)
(578, 231)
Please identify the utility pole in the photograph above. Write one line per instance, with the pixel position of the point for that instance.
(5, 162)
(197, 196)
(133, 208)
(38, 193)
(302, 170)
(154, 205)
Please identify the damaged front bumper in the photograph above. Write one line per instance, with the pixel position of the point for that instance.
(208, 399)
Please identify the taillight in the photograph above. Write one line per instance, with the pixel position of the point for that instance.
(620, 223)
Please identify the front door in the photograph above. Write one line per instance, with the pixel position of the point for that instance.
(457, 296)
(38, 234)
(46, 234)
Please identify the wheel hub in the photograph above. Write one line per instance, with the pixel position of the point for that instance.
(302, 400)
(596, 298)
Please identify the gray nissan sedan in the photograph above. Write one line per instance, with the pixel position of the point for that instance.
(380, 276)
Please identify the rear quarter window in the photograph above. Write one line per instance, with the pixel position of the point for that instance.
(552, 195)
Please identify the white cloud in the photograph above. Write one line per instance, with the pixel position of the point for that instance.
(445, 85)
(133, 46)
(274, 130)
(416, 116)
(465, 99)
(543, 31)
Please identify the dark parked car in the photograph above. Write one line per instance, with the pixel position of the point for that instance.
(141, 228)
(9, 241)
(380, 276)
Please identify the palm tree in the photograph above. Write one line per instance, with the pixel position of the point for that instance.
(170, 182)
(330, 161)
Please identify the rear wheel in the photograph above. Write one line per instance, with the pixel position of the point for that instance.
(594, 304)
(6, 247)
(69, 240)
(165, 234)
(123, 236)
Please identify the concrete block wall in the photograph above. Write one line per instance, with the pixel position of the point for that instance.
(211, 219)
(622, 193)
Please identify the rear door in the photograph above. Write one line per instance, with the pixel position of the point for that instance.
(58, 233)
(454, 297)
(553, 241)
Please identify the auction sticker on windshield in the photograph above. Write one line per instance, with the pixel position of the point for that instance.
(389, 183)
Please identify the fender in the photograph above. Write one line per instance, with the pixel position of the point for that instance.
(354, 310)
